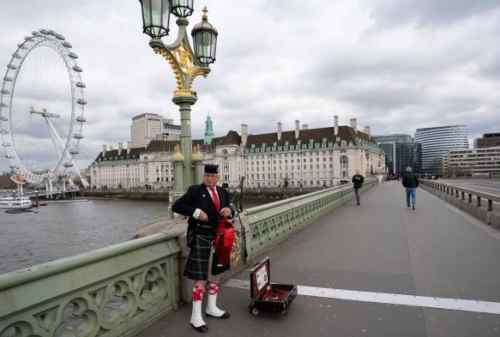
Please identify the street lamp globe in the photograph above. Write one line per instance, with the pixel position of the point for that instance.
(181, 8)
(155, 17)
(205, 40)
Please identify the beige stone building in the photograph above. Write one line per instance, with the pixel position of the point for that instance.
(299, 157)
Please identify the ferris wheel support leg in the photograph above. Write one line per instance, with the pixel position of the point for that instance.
(58, 143)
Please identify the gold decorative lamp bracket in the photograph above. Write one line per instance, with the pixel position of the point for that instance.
(181, 58)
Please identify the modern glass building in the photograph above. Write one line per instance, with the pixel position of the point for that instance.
(437, 141)
(400, 152)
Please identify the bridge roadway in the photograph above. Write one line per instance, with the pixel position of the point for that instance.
(435, 251)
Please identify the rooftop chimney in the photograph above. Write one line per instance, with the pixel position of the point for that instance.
(367, 130)
(297, 129)
(129, 145)
(279, 131)
(244, 134)
(305, 126)
(354, 124)
(104, 149)
(120, 147)
(335, 125)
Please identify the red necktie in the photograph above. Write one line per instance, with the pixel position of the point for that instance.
(215, 198)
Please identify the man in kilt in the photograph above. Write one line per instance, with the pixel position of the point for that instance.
(205, 205)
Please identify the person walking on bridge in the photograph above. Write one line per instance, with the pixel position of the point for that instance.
(207, 207)
(357, 182)
(410, 182)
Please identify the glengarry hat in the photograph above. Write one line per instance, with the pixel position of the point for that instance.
(211, 169)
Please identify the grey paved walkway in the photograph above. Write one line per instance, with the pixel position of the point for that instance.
(380, 246)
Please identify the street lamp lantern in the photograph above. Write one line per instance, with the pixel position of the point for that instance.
(205, 40)
(155, 17)
(182, 8)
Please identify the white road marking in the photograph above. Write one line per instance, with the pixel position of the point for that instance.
(387, 298)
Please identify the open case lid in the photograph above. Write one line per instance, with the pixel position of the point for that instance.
(260, 277)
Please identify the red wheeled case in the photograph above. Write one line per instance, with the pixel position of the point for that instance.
(266, 296)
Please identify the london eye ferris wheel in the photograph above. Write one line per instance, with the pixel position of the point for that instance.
(51, 131)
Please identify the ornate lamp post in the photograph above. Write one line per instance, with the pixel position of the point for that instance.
(187, 63)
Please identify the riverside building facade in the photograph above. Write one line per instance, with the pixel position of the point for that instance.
(435, 143)
(479, 161)
(400, 152)
(300, 157)
(148, 126)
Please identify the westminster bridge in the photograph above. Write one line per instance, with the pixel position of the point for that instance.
(379, 269)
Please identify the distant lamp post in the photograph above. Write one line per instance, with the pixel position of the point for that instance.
(186, 65)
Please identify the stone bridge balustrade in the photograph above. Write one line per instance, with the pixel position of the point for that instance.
(114, 291)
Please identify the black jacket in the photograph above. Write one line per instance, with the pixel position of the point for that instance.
(357, 180)
(410, 181)
(197, 196)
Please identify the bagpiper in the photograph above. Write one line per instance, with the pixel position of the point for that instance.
(207, 207)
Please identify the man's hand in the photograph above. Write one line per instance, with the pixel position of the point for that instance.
(225, 212)
(203, 216)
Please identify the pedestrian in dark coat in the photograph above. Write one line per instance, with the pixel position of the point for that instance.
(410, 182)
(205, 205)
(357, 182)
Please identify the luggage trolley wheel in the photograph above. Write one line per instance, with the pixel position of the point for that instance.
(253, 310)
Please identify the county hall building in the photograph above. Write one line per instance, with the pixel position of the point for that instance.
(300, 157)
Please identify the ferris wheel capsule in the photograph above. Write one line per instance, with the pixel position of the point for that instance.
(4, 119)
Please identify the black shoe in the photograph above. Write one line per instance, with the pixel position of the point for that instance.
(201, 329)
(226, 315)
(413, 207)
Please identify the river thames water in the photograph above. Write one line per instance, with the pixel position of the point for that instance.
(65, 229)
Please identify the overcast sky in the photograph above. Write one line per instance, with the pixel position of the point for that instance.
(395, 65)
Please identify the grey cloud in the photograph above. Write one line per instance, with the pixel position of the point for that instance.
(425, 12)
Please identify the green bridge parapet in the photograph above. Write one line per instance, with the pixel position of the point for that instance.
(122, 289)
